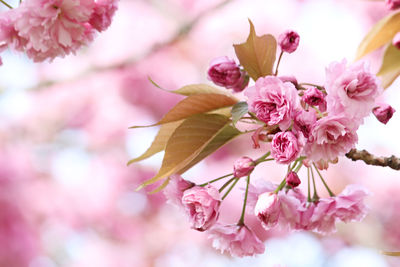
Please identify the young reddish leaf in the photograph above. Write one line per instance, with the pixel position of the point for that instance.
(161, 187)
(195, 104)
(257, 55)
(380, 34)
(187, 142)
(390, 68)
(238, 111)
(224, 136)
(159, 142)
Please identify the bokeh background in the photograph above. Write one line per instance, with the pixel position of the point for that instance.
(67, 198)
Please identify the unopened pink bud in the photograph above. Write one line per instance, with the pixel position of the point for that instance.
(268, 209)
(225, 72)
(396, 40)
(243, 167)
(313, 97)
(383, 112)
(293, 179)
(289, 41)
(393, 4)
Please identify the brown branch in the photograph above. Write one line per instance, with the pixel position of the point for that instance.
(392, 161)
(180, 34)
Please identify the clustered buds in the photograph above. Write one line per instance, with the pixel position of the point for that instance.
(225, 72)
(383, 113)
(289, 41)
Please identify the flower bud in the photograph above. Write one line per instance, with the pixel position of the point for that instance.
(293, 179)
(393, 4)
(243, 167)
(396, 40)
(225, 72)
(383, 112)
(268, 209)
(313, 97)
(289, 41)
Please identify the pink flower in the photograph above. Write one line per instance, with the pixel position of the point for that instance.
(331, 137)
(352, 89)
(273, 101)
(285, 147)
(304, 122)
(174, 191)
(291, 79)
(225, 72)
(238, 240)
(289, 41)
(268, 209)
(260, 187)
(293, 179)
(202, 206)
(53, 28)
(323, 219)
(383, 113)
(350, 205)
(243, 167)
(102, 14)
(313, 97)
(396, 39)
(392, 4)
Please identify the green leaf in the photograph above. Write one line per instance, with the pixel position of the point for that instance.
(187, 142)
(380, 34)
(224, 136)
(195, 104)
(257, 55)
(159, 142)
(238, 111)
(194, 89)
(390, 68)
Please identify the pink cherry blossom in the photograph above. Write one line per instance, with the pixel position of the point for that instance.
(174, 191)
(103, 12)
(268, 209)
(243, 167)
(350, 204)
(285, 147)
(238, 240)
(225, 72)
(289, 41)
(331, 137)
(273, 101)
(351, 89)
(202, 206)
(383, 112)
(313, 97)
(304, 122)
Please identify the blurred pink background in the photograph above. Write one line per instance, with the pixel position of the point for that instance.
(67, 198)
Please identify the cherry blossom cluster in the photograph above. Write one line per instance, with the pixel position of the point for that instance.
(45, 29)
(303, 125)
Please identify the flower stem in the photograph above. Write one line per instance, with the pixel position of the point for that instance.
(323, 181)
(241, 220)
(7, 5)
(319, 87)
(230, 188)
(281, 185)
(226, 184)
(309, 189)
(216, 179)
(315, 196)
(262, 158)
(277, 64)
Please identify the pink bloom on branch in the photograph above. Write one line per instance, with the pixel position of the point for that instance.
(331, 137)
(273, 101)
(239, 241)
(393, 4)
(102, 14)
(289, 41)
(304, 122)
(285, 147)
(268, 209)
(351, 90)
(243, 167)
(293, 179)
(202, 206)
(225, 72)
(313, 97)
(350, 204)
(174, 190)
(383, 113)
